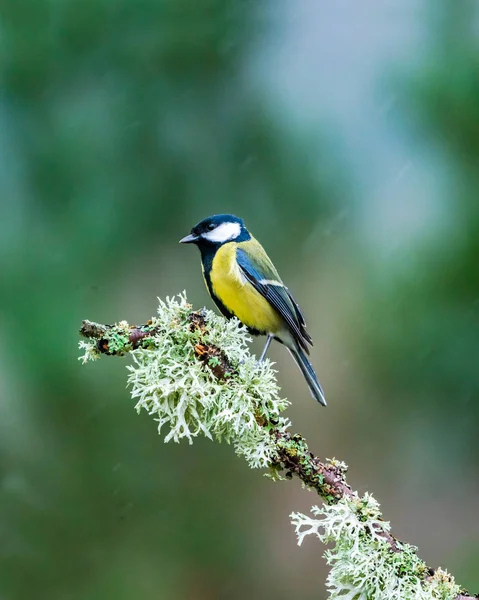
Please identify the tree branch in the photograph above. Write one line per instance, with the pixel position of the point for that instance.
(292, 453)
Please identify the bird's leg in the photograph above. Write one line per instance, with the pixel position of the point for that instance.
(265, 349)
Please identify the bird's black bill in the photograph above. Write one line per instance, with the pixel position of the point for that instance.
(189, 239)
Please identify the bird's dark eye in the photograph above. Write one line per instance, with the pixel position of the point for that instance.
(211, 226)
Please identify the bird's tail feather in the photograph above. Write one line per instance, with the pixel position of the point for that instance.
(309, 374)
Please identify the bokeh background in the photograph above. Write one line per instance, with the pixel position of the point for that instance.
(347, 136)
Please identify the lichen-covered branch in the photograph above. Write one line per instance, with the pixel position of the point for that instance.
(193, 371)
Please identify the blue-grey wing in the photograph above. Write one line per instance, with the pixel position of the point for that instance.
(262, 275)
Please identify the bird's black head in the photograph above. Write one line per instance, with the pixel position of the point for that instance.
(217, 230)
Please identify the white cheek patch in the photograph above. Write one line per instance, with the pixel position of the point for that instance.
(223, 233)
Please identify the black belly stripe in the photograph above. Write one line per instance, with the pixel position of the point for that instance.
(207, 257)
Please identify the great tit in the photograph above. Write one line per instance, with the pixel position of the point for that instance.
(244, 283)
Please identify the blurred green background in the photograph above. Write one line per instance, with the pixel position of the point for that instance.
(347, 136)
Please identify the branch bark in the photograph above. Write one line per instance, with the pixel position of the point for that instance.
(327, 478)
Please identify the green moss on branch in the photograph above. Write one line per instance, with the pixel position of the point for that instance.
(192, 371)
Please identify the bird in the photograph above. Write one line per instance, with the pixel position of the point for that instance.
(244, 283)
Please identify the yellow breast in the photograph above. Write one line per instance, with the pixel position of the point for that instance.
(238, 295)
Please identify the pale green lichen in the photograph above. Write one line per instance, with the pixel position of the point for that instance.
(91, 351)
(363, 564)
(171, 384)
(180, 391)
